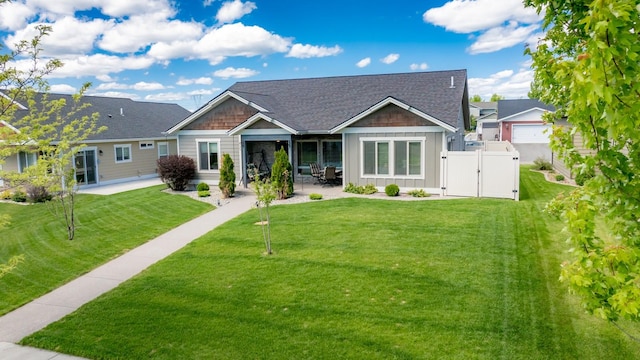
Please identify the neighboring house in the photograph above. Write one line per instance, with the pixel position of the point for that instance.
(520, 122)
(378, 129)
(486, 115)
(127, 150)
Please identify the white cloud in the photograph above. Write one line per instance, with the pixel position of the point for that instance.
(112, 8)
(364, 62)
(104, 78)
(198, 81)
(309, 51)
(238, 73)
(202, 92)
(390, 59)
(501, 38)
(14, 15)
(467, 16)
(166, 97)
(234, 10)
(99, 64)
(63, 89)
(116, 94)
(145, 86)
(112, 86)
(415, 67)
(510, 84)
(208, 2)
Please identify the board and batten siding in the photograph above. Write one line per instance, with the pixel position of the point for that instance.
(432, 146)
(228, 145)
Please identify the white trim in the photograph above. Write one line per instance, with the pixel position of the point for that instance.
(9, 125)
(524, 112)
(115, 153)
(203, 132)
(104, 141)
(263, 132)
(22, 107)
(400, 129)
(217, 141)
(257, 117)
(212, 104)
(400, 104)
(163, 143)
(391, 141)
(147, 145)
(96, 164)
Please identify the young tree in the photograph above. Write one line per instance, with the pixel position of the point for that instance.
(496, 97)
(227, 182)
(266, 193)
(282, 174)
(588, 67)
(475, 98)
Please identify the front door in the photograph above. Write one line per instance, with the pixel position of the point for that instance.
(86, 167)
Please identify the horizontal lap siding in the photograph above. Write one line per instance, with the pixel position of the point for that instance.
(143, 164)
(228, 145)
(431, 161)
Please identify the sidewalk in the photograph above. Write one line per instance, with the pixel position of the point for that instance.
(60, 302)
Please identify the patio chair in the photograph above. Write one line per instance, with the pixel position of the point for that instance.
(329, 176)
(316, 172)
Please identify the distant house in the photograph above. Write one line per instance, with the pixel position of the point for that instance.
(520, 122)
(377, 129)
(486, 115)
(127, 150)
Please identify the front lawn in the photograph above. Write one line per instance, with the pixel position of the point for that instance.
(107, 226)
(355, 278)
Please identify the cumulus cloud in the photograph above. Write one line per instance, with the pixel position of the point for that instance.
(63, 89)
(422, 66)
(390, 59)
(508, 83)
(116, 94)
(237, 73)
(501, 27)
(234, 10)
(14, 15)
(146, 86)
(198, 81)
(364, 62)
(99, 64)
(309, 51)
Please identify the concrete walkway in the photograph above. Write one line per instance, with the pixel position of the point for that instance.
(60, 302)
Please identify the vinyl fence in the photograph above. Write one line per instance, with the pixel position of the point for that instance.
(490, 172)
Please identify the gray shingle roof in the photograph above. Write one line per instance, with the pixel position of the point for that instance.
(515, 106)
(129, 119)
(320, 104)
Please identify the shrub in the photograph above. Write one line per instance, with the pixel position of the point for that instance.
(204, 193)
(392, 190)
(542, 164)
(38, 194)
(582, 177)
(282, 174)
(315, 196)
(5, 195)
(355, 189)
(202, 186)
(227, 182)
(176, 171)
(19, 196)
(559, 177)
(418, 193)
(370, 189)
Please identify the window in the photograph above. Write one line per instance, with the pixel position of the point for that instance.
(307, 154)
(163, 150)
(208, 155)
(26, 159)
(332, 153)
(123, 153)
(146, 145)
(389, 157)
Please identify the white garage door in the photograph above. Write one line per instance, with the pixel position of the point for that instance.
(530, 134)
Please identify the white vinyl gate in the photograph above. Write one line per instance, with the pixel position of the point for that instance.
(480, 173)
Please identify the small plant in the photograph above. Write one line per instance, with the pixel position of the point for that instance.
(315, 196)
(282, 174)
(559, 177)
(203, 186)
(204, 193)
(418, 193)
(176, 171)
(227, 177)
(5, 195)
(38, 194)
(370, 189)
(19, 196)
(355, 189)
(582, 177)
(392, 190)
(542, 164)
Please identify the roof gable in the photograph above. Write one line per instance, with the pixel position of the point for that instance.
(508, 108)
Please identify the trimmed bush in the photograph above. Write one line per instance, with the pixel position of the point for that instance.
(227, 182)
(176, 171)
(315, 196)
(542, 164)
(370, 189)
(418, 193)
(202, 186)
(355, 189)
(582, 177)
(5, 195)
(38, 194)
(19, 196)
(282, 174)
(204, 193)
(559, 177)
(392, 190)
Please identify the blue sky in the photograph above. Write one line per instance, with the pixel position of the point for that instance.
(187, 52)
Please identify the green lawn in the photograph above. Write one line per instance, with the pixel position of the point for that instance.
(107, 226)
(355, 278)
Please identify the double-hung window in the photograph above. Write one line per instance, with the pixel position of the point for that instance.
(163, 150)
(123, 153)
(392, 157)
(208, 154)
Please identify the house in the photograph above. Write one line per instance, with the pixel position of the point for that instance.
(378, 129)
(127, 150)
(486, 115)
(520, 122)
